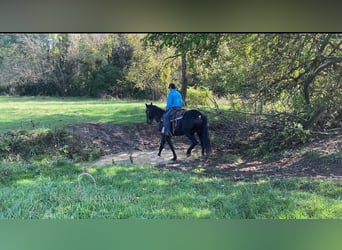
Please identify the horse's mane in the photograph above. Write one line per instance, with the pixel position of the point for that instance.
(159, 112)
(158, 108)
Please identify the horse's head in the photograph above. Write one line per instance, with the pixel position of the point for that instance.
(149, 113)
(153, 113)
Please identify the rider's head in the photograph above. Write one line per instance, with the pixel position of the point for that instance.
(172, 86)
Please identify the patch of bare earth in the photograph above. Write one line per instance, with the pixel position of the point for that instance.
(321, 159)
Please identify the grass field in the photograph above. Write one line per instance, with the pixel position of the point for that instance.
(58, 190)
(47, 112)
(55, 187)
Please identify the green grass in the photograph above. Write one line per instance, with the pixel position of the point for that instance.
(47, 112)
(56, 190)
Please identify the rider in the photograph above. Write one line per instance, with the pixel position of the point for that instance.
(174, 102)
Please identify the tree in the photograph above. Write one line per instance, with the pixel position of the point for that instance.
(224, 72)
(147, 72)
(37, 64)
(297, 67)
(187, 46)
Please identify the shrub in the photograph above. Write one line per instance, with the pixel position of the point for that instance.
(25, 145)
(198, 96)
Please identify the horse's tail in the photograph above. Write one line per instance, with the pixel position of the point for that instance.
(205, 135)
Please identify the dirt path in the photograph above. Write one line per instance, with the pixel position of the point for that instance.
(144, 158)
(138, 144)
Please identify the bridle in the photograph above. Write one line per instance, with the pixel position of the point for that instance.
(149, 119)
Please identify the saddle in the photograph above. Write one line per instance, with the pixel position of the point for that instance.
(175, 119)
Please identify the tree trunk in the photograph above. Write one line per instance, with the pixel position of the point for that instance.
(312, 76)
(306, 92)
(184, 79)
(315, 117)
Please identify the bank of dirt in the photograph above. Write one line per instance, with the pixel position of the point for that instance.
(138, 144)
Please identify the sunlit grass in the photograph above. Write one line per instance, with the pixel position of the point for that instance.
(54, 191)
(49, 112)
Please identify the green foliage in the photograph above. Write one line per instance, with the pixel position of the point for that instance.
(225, 74)
(198, 96)
(65, 64)
(106, 80)
(195, 43)
(302, 68)
(187, 47)
(150, 71)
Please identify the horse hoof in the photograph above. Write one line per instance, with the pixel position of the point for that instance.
(188, 155)
(174, 159)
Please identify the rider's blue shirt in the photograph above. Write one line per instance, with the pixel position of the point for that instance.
(174, 99)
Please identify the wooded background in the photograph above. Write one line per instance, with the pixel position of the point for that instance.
(296, 73)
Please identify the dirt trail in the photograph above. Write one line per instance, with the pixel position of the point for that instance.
(138, 144)
(144, 158)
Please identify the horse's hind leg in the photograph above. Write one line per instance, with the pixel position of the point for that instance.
(194, 142)
(201, 141)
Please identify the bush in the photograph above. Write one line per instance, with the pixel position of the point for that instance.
(25, 145)
(274, 141)
(198, 96)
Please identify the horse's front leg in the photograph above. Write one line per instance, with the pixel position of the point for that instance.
(162, 143)
(168, 139)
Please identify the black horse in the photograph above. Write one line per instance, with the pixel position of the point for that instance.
(192, 122)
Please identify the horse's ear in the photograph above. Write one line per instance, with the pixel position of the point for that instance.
(146, 105)
(151, 103)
